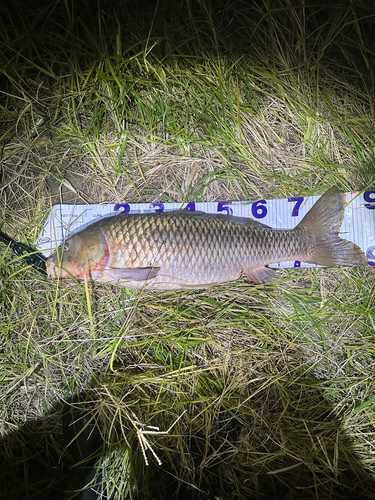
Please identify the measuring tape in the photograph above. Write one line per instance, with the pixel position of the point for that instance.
(358, 223)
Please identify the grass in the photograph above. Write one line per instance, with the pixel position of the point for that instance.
(186, 103)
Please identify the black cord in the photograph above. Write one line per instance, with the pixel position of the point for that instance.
(30, 255)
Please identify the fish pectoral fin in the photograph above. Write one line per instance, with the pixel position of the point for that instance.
(132, 273)
(261, 274)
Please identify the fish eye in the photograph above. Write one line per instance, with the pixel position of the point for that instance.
(66, 246)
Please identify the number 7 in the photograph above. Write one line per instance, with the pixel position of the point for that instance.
(296, 207)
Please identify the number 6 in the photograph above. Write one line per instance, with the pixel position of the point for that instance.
(259, 209)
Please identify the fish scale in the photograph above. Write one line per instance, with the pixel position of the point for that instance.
(187, 249)
(177, 243)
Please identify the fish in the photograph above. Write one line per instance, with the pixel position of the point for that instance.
(186, 249)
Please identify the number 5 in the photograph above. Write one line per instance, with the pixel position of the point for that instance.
(222, 206)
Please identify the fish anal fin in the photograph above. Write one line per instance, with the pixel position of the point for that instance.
(260, 274)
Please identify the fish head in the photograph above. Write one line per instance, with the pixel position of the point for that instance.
(82, 254)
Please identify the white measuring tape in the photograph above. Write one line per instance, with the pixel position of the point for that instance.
(358, 224)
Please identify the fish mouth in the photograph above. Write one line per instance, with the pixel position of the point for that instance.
(53, 271)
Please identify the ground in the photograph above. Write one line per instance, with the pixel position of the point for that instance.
(114, 104)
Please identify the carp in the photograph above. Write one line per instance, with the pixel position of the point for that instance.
(187, 249)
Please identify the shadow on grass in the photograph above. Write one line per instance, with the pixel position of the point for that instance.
(270, 451)
(53, 455)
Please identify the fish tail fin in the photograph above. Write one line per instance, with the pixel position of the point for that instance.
(323, 222)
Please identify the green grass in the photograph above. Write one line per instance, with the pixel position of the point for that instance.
(187, 103)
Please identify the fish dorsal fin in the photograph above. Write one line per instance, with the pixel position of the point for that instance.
(247, 221)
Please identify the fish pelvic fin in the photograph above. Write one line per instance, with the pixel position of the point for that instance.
(323, 223)
(261, 274)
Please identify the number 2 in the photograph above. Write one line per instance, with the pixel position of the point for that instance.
(124, 208)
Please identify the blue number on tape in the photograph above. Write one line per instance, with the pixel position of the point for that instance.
(369, 196)
(259, 209)
(124, 208)
(296, 207)
(297, 263)
(222, 206)
(159, 207)
(370, 254)
(190, 206)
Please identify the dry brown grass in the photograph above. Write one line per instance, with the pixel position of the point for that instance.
(277, 380)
